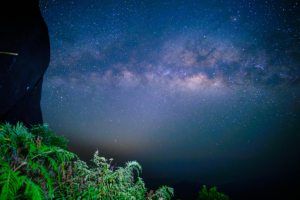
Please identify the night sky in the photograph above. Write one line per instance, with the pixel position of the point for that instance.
(204, 91)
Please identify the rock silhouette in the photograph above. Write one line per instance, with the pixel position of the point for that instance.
(24, 58)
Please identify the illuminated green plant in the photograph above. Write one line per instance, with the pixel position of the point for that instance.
(33, 165)
(102, 182)
(23, 153)
(163, 193)
(212, 195)
(49, 138)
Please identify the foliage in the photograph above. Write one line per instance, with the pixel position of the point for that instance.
(162, 193)
(25, 162)
(102, 182)
(212, 195)
(36, 165)
(49, 138)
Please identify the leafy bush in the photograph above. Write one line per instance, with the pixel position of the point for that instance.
(212, 195)
(25, 162)
(36, 165)
(102, 182)
(49, 138)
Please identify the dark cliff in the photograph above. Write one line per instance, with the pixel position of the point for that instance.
(23, 32)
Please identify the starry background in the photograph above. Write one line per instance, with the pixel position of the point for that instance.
(204, 91)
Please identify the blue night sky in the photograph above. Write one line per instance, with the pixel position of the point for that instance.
(203, 91)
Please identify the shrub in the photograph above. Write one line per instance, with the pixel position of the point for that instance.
(212, 195)
(25, 163)
(36, 165)
(49, 138)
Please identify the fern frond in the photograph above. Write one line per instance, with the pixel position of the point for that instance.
(43, 172)
(21, 130)
(6, 129)
(54, 166)
(49, 138)
(33, 190)
(9, 181)
(135, 165)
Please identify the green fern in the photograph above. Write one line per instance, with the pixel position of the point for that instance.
(33, 190)
(17, 145)
(42, 159)
(8, 130)
(49, 138)
(10, 182)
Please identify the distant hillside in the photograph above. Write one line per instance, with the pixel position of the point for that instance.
(188, 190)
(283, 187)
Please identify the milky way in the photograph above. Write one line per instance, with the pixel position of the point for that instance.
(201, 91)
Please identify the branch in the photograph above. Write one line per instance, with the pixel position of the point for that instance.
(24, 163)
